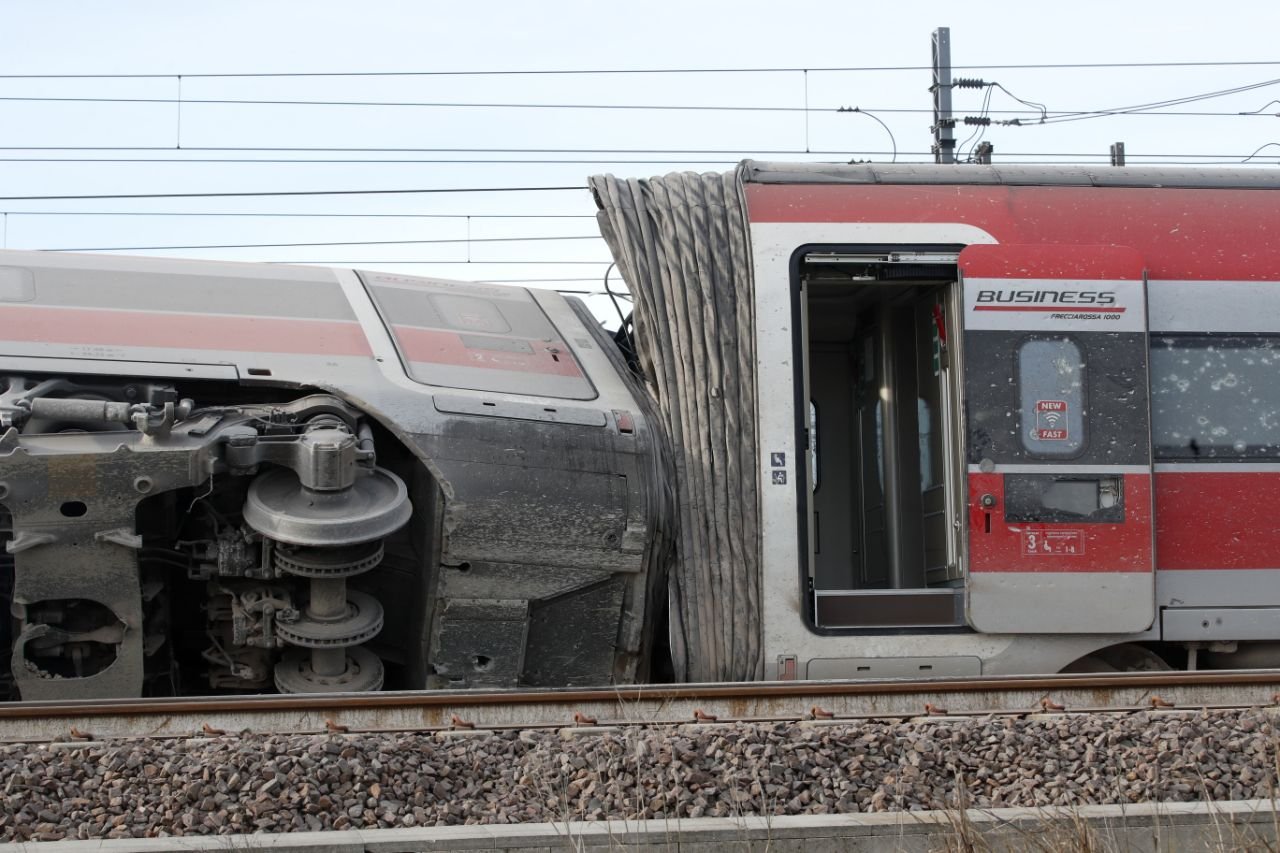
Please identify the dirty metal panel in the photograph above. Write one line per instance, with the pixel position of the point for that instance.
(1221, 623)
(503, 408)
(481, 642)
(542, 516)
(72, 499)
(576, 636)
(823, 669)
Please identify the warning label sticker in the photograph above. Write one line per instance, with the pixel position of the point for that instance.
(1051, 420)
(1044, 543)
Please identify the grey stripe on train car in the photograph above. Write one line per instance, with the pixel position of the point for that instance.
(501, 381)
(134, 283)
(761, 172)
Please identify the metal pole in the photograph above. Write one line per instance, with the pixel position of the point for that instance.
(944, 141)
(890, 446)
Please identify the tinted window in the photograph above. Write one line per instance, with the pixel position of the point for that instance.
(1215, 397)
(1051, 387)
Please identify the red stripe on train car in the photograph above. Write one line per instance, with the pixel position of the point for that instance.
(1122, 547)
(1084, 263)
(435, 346)
(182, 332)
(1183, 234)
(1058, 309)
(1217, 520)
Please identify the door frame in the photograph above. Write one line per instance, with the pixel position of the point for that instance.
(942, 254)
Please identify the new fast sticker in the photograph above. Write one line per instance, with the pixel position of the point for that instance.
(1051, 420)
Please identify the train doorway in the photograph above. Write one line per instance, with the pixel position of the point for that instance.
(881, 421)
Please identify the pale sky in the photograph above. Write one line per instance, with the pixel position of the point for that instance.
(173, 39)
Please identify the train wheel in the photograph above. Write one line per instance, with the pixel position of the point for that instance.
(1126, 657)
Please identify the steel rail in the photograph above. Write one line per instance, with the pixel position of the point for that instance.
(639, 692)
(632, 705)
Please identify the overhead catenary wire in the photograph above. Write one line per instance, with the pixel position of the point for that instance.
(247, 213)
(1036, 109)
(568, 106)
(826, 155)
(983, 119)
(389, 177)
(265, 193)
(462, 262)
(751, 108)
(541, 280)
(1259, 151)
(405, 150)
(329, 243)
(366, 161)
(517, 72)
(736, 153)
(1204, 96)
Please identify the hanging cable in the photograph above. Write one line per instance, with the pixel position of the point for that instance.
(1139, 108)
(1259, 110)
(1260, 148)
(621, 319)
(624, 337)
(980, 123)
(870, 115)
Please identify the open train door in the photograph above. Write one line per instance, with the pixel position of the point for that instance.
(1058, 440)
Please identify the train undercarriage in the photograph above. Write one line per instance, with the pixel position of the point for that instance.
(163, 544)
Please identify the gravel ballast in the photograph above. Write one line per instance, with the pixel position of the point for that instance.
(277, 783)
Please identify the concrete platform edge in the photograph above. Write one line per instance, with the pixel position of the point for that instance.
(1170, 825)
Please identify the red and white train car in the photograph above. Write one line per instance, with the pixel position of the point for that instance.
(1040, 410)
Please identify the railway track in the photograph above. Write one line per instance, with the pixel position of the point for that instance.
(273, 764)
(465, 711)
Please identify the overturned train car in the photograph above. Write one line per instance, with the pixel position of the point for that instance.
(228, 477)
(894, 421)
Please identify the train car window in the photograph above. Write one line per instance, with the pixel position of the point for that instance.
(1051, 384)
(1215, 397)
